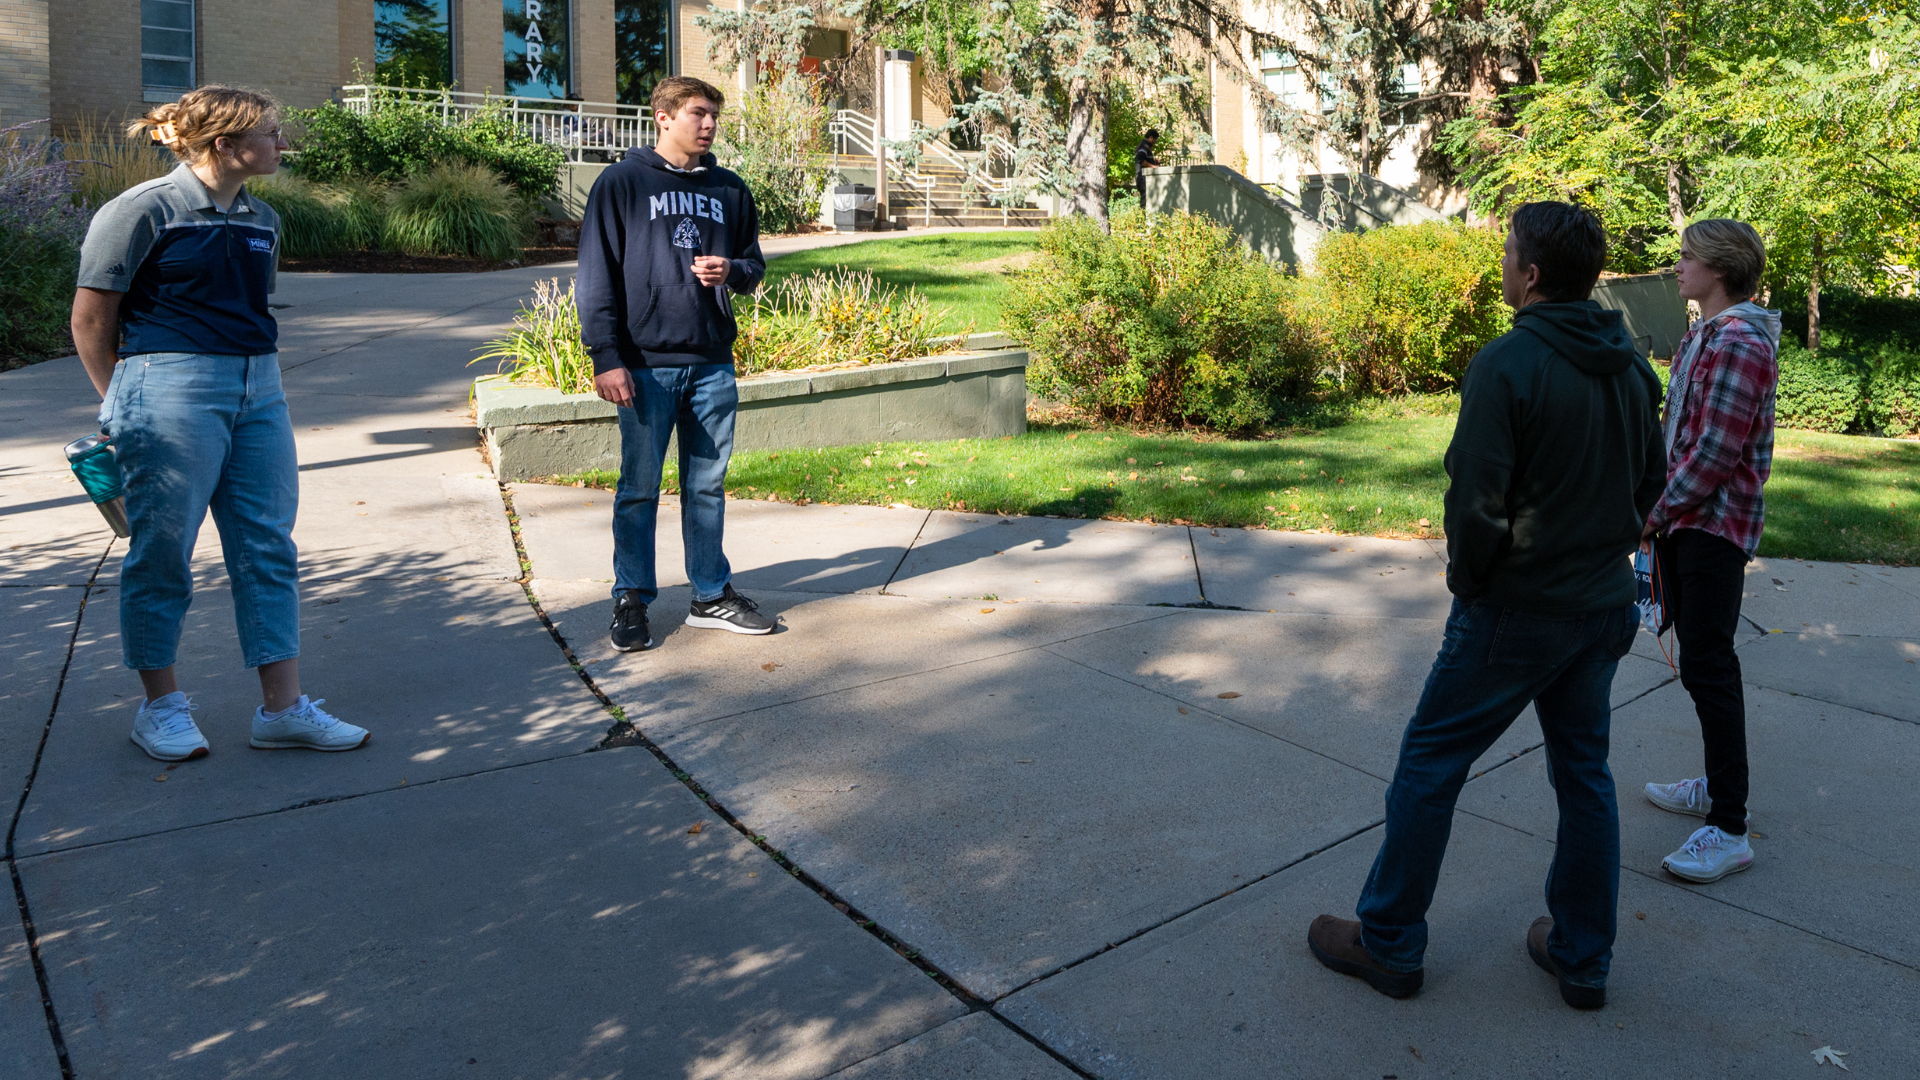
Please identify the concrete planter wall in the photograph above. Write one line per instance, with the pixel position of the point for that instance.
(982, 393)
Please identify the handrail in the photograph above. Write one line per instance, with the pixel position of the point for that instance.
(578, 127)
(852, 133)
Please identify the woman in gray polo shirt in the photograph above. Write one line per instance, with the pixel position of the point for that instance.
(172, 325)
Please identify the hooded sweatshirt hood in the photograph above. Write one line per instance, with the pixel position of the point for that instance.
(647, 155)
(1762, 319)
(1592, 338)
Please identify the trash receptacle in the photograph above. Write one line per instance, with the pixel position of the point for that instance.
(853, 206)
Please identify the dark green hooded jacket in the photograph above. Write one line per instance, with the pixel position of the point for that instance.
(1555, 463)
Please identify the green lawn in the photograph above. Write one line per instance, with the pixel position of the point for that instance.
(1832, 497)
(965, 272)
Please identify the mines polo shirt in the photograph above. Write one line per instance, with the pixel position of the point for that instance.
(196, 280)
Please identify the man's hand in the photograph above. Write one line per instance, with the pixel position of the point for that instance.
(615, 386)
(710, 270)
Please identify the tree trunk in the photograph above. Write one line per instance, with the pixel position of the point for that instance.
(1676, 209)
(1087, 147)
(1813, 301)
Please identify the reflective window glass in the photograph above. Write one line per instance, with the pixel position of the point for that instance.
(412, 43)
(536, 48)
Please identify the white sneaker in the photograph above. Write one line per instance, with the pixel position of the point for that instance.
(1685, 797)
(164, 728)
(306, 727)
(1709, 855)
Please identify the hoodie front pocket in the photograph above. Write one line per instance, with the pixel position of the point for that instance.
(677, 318)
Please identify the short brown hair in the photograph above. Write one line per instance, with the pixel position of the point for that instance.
(670, 95)
(1731, 249)
(189, 126)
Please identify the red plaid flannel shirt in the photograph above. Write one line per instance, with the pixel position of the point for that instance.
(1722, 448)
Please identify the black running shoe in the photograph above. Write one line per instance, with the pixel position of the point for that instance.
(731, 612)
(630, 632)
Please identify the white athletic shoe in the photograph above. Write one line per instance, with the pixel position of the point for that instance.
(306, 726)
(1709, 855)
(164, 728)
(1685, 797)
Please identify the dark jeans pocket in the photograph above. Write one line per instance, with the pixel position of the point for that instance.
(1622, 642)
(1523, 639)
(678, 317)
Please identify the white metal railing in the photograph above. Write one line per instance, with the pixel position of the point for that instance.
(577, 127)
(989, 170)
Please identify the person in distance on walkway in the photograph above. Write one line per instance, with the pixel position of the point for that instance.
(1143, 160)
(1555, 461)
(1719, 434)
(171, 323)
(668, 236)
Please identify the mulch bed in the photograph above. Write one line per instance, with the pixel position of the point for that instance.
(393, 262)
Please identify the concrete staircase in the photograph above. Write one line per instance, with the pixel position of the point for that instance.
(941, 199)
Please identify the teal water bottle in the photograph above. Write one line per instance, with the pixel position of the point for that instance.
(93, 461)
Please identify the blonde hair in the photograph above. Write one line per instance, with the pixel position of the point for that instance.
(1731, 249)
(189, 126)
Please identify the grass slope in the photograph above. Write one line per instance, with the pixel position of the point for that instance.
(1832, 497)
(966, 272)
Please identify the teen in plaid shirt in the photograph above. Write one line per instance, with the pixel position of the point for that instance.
(1719, 434)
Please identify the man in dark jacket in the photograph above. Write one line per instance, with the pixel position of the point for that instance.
(668, 236)
(1555, 461)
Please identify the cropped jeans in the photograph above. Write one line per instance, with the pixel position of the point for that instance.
(195, 432)
(1492, 663)
(697, 402)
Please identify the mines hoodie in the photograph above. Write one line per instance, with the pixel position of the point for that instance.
(640, 305)
(1555, 462)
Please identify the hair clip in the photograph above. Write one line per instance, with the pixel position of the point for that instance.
(166, 134)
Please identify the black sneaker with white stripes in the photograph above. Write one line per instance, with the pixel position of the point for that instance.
(630, 632)
(730, 612)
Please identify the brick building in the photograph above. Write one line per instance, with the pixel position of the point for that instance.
(69, 58)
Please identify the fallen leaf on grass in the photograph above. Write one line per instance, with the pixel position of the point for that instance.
(1827, 1055)
(1229, 694)
(697, 828)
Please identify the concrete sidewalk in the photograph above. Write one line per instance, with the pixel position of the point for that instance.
(1098, 775)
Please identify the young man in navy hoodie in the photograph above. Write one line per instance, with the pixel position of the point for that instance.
(668, 236)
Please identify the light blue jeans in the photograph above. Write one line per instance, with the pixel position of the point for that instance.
(698, 403)
(195, 432)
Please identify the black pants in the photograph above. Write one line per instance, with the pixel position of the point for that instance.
(1704, 576)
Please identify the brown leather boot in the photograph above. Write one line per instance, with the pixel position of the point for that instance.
(1580, 997)
(1336, 943)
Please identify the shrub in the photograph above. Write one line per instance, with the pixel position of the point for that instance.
(457, 210)
(544, 346)
(836, 317)
(1404, 308)
(1893, 393)
(323, 219)
(399, 136)
(772, 139)
(1817, 391)
(1166, 319)
(40, 234)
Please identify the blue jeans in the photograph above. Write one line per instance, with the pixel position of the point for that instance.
(1492, 663)
(195, 432)
(698, 402)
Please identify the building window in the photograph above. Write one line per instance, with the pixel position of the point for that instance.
(536, 43)
(412, 43)
(1281, 74)
(642, 48)
(166, 48)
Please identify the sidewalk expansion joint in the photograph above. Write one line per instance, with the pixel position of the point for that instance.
(624, 734)
(1178, 915)
(13, 827)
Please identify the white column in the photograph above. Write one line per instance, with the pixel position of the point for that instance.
(899, 91)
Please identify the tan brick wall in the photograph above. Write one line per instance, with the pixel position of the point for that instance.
(479, 57)
(593, 60)
(94, 58)
(690, 47)
(356, 39)
(1229, 122)
(287, 48)
(24, 77)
